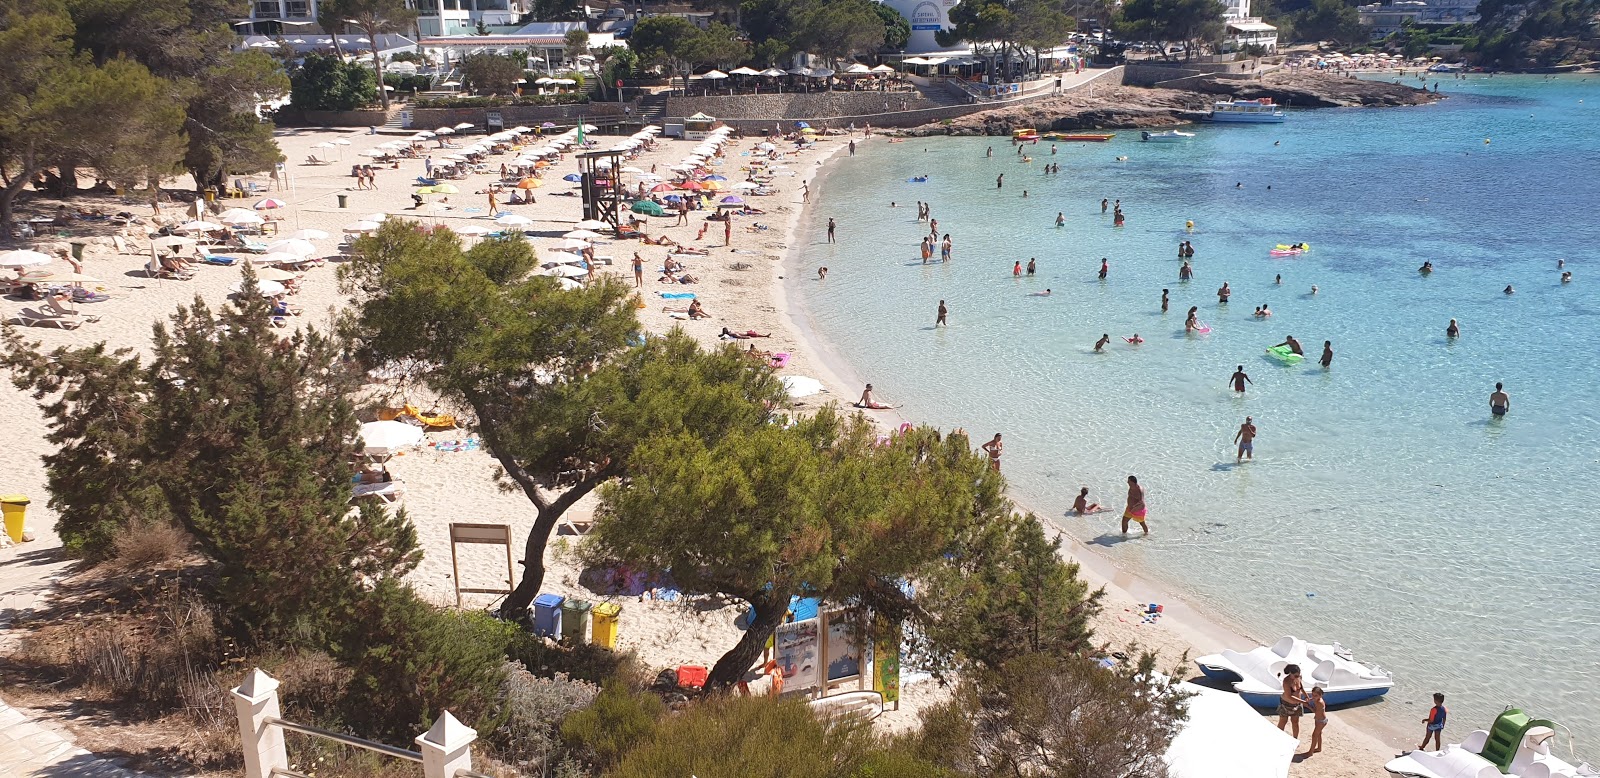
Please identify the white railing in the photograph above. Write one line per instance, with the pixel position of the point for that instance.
(445, 748)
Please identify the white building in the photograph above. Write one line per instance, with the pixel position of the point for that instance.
(1386, 18)
(435, 17)
(1246, 30)
(927, 17)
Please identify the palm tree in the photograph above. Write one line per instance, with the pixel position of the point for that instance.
(374, 18)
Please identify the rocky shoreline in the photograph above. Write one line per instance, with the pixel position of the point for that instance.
(1128, 107)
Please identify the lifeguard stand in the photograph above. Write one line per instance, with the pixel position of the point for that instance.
(602, 192)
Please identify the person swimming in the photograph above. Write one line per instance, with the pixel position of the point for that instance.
(1135, 340)
(1427, 267)
(1294, 345)
(1509, 290)
(1100, 344)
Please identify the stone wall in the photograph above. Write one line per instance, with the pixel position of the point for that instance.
(789, 107)
(1157, 73)
(289, 117)
(606, 114)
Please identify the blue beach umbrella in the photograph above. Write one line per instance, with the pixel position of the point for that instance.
(802, 125)
(573, 177)
(714, 178)
(672, 198)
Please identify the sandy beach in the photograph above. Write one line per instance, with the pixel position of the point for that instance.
(741, 286)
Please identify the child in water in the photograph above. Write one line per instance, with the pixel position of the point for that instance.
(1082, 506)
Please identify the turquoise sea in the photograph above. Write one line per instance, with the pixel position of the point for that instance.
(1385, 509)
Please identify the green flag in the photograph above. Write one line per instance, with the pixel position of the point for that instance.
(580, 131)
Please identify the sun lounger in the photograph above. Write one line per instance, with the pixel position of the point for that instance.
(388, 491)
(442, 421)
(30, 317)
(53, 308)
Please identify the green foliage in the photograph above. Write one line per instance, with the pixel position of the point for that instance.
(1012, 24)
(373, 18)
(1060, 716)
(1537, 34)
(734, 737)
(1190, 22)
(492, 74)
(1329, 20)
(1005, 591)
(615, 63)
(407, 83)
(240, 436)
(819, 508)
(678, 46)
(328, 83)
(576, 42)
(408, 56)
(411, 660)
(834, 29)
(896, 30)
(535, 707)
(618, 722)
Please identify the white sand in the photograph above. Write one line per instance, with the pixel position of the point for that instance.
(460, 486)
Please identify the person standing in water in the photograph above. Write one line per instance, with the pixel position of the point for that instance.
(1016, 269)
(1000, 181)
(1032, 266)
(1239, 379)
(993, 448)
(1327, 353)
(943, 312)
(1192, 322)
(1224, 293)
(1061, 218)
(1135, 510)
(1499, 401)
(945, 247)
(1104, 204)
(1185, 273)
(1246, 438)
(1452, 331)
(1164, 301)
(1100, 344)
(1105, 267)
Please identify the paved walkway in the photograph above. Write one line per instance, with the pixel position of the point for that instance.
(30, 749)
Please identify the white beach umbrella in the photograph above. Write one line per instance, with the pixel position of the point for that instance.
(306, 235)
(386, 438)
(276, 274)
(360, 228)
(425, 134)
(23, 258)
(801, 386)
(569, 284)
(743, 71)
(566, 271)
(374, 152)
(200, 226)
(471, 229)
(513, 220)
(239, 216)
(341, 142)
(267, 288)
(592, 224)
(294, 246)
(172, 240)
(465, 126)
(445, 131)
(632, 170)
(573, 244)
(62, 276)
(376, 216)
(583, 235)
(747, 185)
(715, 75)
(774, 73)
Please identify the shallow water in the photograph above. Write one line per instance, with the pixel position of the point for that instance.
(1386, 509)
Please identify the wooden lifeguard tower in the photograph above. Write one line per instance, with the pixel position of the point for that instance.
(602, 192)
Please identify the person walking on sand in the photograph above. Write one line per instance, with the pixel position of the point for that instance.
(805, 192)
(831, 227)
(993, 448)
(943, 312)
(1319, 718)
(638, 270)
(1499, 401)
(494, 206)
(1246, 437)
(1239, 379)
(1135, 510)
(727, 232)
(1435, 721)
(1292, 699)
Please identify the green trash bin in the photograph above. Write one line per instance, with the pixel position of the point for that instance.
(342, 200)
(575, 621)
(15, 508)
(77, 251)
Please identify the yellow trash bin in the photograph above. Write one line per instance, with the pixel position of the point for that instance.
(15, 508)
(606, 615)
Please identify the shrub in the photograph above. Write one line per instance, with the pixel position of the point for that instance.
(410, 661)
(618, 721)
(160, 658)
(583, 662)
(140, 545)
(325, 83)
(535, 708)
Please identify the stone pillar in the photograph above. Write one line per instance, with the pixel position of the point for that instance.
(256, 702)
(446, 748)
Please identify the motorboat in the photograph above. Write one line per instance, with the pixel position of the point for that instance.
(1025, 134)
(1170, 136)
(1515, 745)
(1084, 137)
(1257, 675)
(1260, 111)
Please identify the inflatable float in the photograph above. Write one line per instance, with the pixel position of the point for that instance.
(1201, 328)
(1284, 354)
(1288, 250)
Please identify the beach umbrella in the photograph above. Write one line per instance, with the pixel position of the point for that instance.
(513, 220)
(267, 288)
(802, 125)
(715, 75)
(632, 170)
(672, 198)
(569, 284)
(172, 240)
(57, 277)
(592, 224)
(200, 226)
(648, 208)
(386, 438)
(445, 189)
(471, 229)
(747, 185)
(465, 126)
(662, 188)
(425, 134)
(565, 271)
(808, 131)
(764, 146)
(269, 204)
(341, 141)
(715, 178)
(573, 177)
(360, 228)
(692, 186)
(375, 217)
(882, 69)
(572, 244)
(800, 385)
(547, 125)
(445, 131)
(774, 73)
(374, 152)
(857, 69)
(295, 246)
(732, 200)
(529, 183)
(743, 71)
(712, 186)
(306, 235)
(275, 274)
(583, 235)
(23, 258)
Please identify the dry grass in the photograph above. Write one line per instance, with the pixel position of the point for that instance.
(141, 546)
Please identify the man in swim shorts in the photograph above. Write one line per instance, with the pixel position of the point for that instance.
(1135, 510)
(1246, 437)
(1499, 401)
(943, 312)
(1294, 345)
(1100, 344)
(1239, 379)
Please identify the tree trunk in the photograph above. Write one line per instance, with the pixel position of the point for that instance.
(67, 182)
(770, 608)
(377, 64)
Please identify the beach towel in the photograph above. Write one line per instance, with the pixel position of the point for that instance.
(677, 295)
(779, 360)
(218, 259)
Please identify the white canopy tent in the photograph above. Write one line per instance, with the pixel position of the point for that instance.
(1225, 738)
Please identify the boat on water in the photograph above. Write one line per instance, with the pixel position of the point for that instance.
(1516, 744)
(1025, 134)
(1088, 137)
(1257, 675)
(1170, 136)
(1260, 111)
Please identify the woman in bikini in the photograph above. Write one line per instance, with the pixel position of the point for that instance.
(1291, 702)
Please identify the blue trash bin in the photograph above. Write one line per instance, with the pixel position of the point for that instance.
(547, 615)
